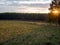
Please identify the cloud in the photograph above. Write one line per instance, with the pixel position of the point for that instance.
(24, 5)
(7, 2)
(23, 9)
(22, 2)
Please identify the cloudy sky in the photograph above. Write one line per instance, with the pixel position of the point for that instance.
(25, 6)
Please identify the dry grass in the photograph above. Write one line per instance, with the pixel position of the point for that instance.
(28, 33)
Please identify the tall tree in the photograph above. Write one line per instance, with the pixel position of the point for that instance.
(53, 4)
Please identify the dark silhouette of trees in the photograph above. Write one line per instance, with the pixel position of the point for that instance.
(52, 18)
(23, 16)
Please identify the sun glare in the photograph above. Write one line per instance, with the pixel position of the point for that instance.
(55, 12)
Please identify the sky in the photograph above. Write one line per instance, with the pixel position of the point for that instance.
(25, 6)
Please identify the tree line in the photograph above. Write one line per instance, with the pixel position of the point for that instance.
(23, 16)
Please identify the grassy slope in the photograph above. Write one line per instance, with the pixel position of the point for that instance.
(28, 33)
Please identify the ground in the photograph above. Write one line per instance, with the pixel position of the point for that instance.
(15, 32)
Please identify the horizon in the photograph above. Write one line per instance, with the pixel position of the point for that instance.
(24, 13)
(25, 6)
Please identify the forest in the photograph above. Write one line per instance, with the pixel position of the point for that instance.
(23, 16)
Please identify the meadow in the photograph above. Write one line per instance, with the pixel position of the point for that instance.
(15, 32)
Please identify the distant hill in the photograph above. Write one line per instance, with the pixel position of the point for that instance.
(23, 16)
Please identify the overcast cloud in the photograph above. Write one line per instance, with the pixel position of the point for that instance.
(24, 5)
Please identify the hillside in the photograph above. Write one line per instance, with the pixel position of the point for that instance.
(23, 16)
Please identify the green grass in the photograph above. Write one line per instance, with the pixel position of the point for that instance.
(28, 33)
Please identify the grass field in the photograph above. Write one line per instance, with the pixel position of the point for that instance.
(28, 33)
